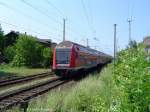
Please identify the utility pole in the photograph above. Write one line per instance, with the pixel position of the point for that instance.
(87, 42)
(115, 25)
(129, 21)
(95, 47)
(64, 28)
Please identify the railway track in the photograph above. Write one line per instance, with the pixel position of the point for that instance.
(17, 80)
(23, 95)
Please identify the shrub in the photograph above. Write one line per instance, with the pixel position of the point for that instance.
(132, 77)
(26, 52)
(47, 57)
(2, 37)
(9, 53)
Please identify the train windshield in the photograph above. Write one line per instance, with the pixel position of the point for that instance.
(62, 56)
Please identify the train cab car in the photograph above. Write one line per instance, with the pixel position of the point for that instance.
(63, 58)
(69, 57)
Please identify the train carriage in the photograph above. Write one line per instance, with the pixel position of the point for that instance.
(71, 57)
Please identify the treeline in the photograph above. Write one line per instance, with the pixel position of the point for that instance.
(24, 50)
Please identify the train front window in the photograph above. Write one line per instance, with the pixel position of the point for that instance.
(62, 56)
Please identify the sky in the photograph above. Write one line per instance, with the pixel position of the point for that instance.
(85, 19)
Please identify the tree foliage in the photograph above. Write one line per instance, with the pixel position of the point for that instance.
(1, 39)
(26, 51)
(47, 57)
(9, 53)
(132, 77)
(11, 38)
(132, 44)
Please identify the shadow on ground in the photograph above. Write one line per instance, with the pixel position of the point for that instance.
(83, 74)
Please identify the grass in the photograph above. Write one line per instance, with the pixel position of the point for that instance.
(96, 93)
(93, 94)
(8, 71)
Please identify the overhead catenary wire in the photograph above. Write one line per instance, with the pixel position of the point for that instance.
(26, 15)
(36, 19)
(91, 15)
(63, 16)
(131, 5)
(87, 16)
(33, 31)
(29, 17)
(57, 9)
(41, 12)
(24, 28)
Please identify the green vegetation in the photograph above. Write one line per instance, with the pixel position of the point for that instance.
(9, 53)
(47, 57)
(132, 77)
(94, 94)
(1, 39)
(24, 50)
(120, 88)
(27, 52)
(8, 71)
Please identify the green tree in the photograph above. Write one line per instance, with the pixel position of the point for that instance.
(132, 77)
(132, 44)
(47, 57)
(2, 37)
(9, 53)
(11, 38)
(26, 52)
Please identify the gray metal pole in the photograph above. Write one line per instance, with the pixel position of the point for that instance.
(115, 25)
(87, 42)
(64, 26)
(129, 21)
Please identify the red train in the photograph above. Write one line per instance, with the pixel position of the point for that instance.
(70, 57)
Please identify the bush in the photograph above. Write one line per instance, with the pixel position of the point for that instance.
(9, 53)
(47, 57)
(2, 37)
(26, 52)
(132, 77)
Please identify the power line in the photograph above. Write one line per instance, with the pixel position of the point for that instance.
(41, 12)
(86, 15)
(24, 14)
(23, 28)
(131, 5)
(30, 17)
(63, 16)
(51, 4)
(61, 13)
(91, 15)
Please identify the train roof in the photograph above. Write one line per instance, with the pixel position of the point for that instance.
(65, 44)
(69, 44)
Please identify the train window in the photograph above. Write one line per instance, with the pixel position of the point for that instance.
(62, 56)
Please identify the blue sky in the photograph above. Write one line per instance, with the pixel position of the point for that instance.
(84, 19)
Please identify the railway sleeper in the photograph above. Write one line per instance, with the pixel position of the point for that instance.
(16, 98)
(9, 101)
